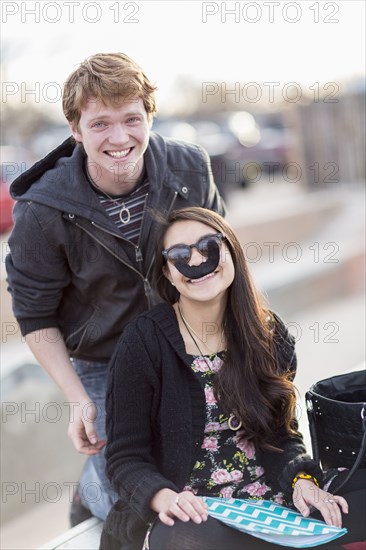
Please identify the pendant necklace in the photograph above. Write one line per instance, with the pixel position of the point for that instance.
(233, 423)
(124, 213)
(123, 210)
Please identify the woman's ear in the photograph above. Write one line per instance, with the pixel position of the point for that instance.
(166, 273)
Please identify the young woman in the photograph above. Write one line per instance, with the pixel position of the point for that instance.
(201, 402)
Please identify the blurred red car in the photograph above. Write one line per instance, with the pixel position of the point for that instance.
(6, 207)
(14, 161)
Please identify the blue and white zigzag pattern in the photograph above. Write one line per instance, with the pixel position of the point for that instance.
(265, 516)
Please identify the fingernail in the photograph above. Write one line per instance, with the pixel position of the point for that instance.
(197, 520)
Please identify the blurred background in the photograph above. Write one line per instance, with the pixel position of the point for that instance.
(275, 91)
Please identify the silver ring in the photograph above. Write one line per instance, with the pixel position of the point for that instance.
(177, 499)
(329, 500)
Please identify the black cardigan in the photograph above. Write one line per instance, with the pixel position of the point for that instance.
(156, 418)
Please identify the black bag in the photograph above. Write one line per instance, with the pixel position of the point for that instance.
(336, 410)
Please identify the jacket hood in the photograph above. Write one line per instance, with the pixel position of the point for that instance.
(23, 182)
(58, 180)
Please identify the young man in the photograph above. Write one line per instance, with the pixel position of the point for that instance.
(81, 250)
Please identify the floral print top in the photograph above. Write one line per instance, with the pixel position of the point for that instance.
(225, 467)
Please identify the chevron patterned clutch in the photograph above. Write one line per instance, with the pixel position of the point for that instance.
(272, 522)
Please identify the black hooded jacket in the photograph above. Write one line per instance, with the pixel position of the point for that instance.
(69, 267)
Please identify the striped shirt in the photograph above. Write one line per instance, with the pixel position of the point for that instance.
(127, 211)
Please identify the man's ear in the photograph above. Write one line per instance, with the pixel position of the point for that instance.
(151, 122)
(76, 132)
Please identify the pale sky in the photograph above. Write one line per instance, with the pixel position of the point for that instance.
(275, 41)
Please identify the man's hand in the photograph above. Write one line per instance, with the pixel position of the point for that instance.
(49, 348)
(81, 429)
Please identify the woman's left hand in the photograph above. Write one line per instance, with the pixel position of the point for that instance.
(306, 494)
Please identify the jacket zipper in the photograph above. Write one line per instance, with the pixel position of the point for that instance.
(137, 247)
(107, 248)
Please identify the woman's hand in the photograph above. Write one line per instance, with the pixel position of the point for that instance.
(306, 494)
(184, 506)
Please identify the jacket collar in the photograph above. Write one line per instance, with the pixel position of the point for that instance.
(158, 168)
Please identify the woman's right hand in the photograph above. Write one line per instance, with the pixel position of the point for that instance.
(184, 506)
(331, 507)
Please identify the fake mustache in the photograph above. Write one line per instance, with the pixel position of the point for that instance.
(205, 268)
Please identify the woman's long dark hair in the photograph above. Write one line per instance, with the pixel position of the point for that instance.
(253, 382)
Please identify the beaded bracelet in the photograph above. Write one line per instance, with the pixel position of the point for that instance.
(304, 476)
